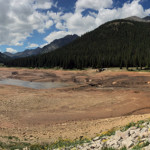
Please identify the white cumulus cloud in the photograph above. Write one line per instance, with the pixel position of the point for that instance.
(11, 50)
(56, 35)
(19, 18)
(77, 23)
(129, 9)
(32, 45)
(40, 4)
(93, 4)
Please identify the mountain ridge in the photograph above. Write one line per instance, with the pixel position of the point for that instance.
(118, 43)
(135, 18)
(57, 43)
(3, 58)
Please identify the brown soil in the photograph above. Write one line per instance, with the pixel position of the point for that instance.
(93, 102)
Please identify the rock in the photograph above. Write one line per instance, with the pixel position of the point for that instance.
(113, 83)
(97, 138)
(110, 143)
(147, 147)
(144, 130)
(125, 135)
(80, 147)
(116, 146)
(25, 148)
(134, 135)
(133, 128)
(128, 139)
(93, 146)
(85, 144)
(118, 133)
(145, 123)
(128, 142)
(132, 132)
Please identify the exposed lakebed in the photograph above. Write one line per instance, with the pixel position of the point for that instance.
(34, 85)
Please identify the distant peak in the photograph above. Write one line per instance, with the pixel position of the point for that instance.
(134, 18)
(138, 19)
(147, 18)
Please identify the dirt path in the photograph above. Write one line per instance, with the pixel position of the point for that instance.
(95, 102)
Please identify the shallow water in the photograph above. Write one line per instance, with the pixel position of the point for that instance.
(34, 85)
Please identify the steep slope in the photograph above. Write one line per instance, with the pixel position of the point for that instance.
(48, 48)
(8, 54)
(25, 53)
(28, 52)
(3, 58)
(135, 18)
(147, 18)
(59, 43)
(116, 43)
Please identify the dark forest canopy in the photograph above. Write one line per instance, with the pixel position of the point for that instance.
(115, 44)
(3, 58)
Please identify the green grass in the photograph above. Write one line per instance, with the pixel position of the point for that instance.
(132, 124)
(140, 145)
(13, 145)
(14, 142)
(108, 148)
(108, 133)
(60, 144)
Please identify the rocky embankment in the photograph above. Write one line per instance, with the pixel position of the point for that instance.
(134, 136)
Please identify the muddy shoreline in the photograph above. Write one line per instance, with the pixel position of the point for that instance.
(94, 102)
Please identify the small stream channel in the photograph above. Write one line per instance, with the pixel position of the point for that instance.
(33, 85)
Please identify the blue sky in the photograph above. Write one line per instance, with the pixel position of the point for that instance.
(27, 24)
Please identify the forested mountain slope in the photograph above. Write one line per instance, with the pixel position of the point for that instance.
(3, 58)
(58, 43)
(116, 43)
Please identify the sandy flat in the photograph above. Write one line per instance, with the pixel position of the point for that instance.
(92, 103)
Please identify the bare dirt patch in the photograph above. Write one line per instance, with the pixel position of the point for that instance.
(93, 103)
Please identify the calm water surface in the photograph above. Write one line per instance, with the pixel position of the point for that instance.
(34, 85)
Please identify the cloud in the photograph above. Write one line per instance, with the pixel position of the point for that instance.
(60, 26)
(18, 19)
(41, 46)
(11, 50)
(33, 45)
(40, 4)
(129, 9)
(79, 24)
(48, 24)
(56, 35)
(19, 44)
(90, 4)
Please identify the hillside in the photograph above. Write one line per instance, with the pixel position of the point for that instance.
(58, 43)
(25, 53)
(116, 43)
(135, 18)
(3, 58)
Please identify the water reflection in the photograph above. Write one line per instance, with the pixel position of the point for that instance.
(34, 85)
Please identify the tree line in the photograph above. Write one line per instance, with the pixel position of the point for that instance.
(119, 43)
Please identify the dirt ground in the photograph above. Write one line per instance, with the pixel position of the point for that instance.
(93, 102)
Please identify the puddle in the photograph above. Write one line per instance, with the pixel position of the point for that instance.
(34, 85)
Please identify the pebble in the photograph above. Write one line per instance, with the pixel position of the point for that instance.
(128, 138)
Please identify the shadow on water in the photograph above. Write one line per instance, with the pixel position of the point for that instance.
(34, 85)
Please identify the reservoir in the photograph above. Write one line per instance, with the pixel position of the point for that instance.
(33, 85)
